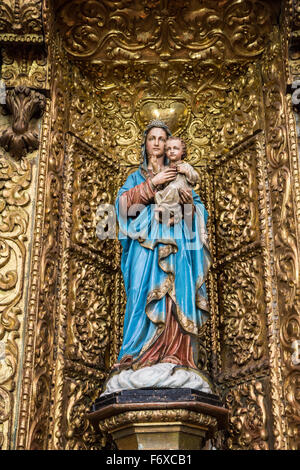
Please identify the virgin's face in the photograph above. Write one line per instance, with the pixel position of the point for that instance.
(155, 142)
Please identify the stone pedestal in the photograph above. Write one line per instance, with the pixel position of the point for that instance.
(160, 419)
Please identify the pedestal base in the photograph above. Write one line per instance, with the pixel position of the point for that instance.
(160, 419)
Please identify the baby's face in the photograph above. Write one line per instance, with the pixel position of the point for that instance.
(174, 150)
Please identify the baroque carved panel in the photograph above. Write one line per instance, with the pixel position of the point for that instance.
(236, 202)
(212, 106)
(21, 21)
(283, 178)
(250, 416)
(25, 66)
(94, 177)
(164, 29)
(81, 387)
(87, 300)
(89, 308)
(17, 195)
(249, 342)
(242, 320)
(15, 199)
(39, 348)
(85, 118)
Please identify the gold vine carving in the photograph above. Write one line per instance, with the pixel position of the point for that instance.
(164, 29)
(213, 106)
(242, 323)
(236, 201)
(21, 20)
(249, 417)
(15, 199)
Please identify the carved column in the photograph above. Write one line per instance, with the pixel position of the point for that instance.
(24, 86)
(285, 170)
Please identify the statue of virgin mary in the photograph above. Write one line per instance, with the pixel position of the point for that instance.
(164, 269)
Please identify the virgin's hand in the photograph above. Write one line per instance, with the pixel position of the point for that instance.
(186, 196)
(165, 176)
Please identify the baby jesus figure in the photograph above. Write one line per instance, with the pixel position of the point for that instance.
(168, 203)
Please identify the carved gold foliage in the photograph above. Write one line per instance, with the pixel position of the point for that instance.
(9, 356)
(85, 116)
(280, 178)
(164, 29)
(79, 393)
(94, 185)
(236, 202)
(204, 352)
(285, 225)
(226, 109)
(21, 20)
(296, 14)
(15, 199)
(292, 387)
(24, 66)
(292, 18)
(117, 311)
(213, 106)
(242, 324)
(15, 181)
(248, 426)
(50, 259)
(90, 323)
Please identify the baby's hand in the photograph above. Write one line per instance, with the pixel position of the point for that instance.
(181, 168)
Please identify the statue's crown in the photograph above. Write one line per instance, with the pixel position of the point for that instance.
(158, 123)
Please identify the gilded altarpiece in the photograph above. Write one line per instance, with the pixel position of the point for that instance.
(219, 73)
